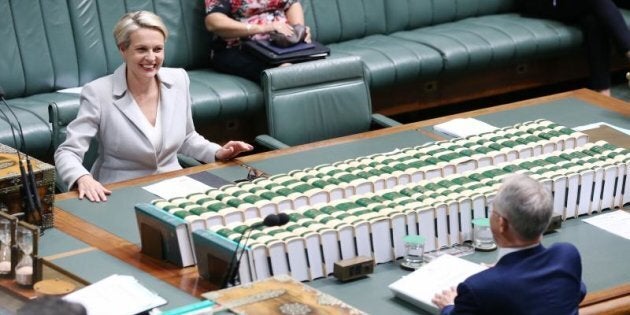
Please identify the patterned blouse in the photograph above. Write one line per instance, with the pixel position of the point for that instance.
(251, 12)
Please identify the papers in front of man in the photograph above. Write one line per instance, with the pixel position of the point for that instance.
(617, 222)
(442, 273)
(464, 127)
(116, 294)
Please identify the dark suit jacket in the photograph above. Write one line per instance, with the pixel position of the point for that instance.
(537, 281)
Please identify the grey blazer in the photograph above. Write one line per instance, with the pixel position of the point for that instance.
(108, 112)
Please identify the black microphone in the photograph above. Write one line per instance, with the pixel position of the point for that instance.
(270, 220)
(29, 188)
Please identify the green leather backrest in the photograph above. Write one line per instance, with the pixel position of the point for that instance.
(93, 21)
(54, 44)
(37, 51)
(334, 21)
(410, 14)
(332, 101)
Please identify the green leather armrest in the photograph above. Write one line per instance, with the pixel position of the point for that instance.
(384, 121)
(270, 142)
(186, 161)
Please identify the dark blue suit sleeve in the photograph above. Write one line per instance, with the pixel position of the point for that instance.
(465, 302)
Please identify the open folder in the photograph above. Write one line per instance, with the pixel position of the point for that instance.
(116, 294)
(275, 55)
(444, 272)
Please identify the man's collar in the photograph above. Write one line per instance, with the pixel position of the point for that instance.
(508, 250)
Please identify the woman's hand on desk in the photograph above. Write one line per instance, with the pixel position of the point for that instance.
(92, 189)
(232, 149)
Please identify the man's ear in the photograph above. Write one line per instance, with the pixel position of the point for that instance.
(503, 224)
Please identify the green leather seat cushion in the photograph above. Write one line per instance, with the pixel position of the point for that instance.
(391, 60)
(486, 41)
(217, 96)
(32, 112)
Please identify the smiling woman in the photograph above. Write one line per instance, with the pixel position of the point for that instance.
(140, 115)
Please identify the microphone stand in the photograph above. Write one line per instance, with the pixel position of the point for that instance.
(33, 203)
(232, 272)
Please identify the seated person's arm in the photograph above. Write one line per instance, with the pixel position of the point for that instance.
(295, 15)
(226, 27)
(69, 155)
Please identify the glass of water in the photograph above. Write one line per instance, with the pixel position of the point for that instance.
(414, 252)
(482, 235)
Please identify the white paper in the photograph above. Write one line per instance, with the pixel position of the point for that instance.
(442, 273)
(598, 124)
(617, 222)
(74, 90)
(177, 187)
(116, 294)
(464, 127)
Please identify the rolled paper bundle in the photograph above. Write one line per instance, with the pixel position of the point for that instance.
(298, 229)
(364, 201)
(215, 205)
(163, 204)
(331, 222)
(196, 209)
(314, 214)
(386, 211)
(407, 191)
(231, 189)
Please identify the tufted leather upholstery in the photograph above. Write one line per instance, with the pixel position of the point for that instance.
(303, 109)
(67, 43)
(54, 44)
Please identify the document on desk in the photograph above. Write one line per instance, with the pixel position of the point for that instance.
(116, 294)
(616, 222)
(420, 286)
(464, 127)
(177, 187)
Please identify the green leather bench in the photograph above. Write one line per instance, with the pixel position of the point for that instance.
(67, 43)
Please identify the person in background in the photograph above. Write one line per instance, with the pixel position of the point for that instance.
(141, 116)
(233, 20)
(528, 278)
(600, 20)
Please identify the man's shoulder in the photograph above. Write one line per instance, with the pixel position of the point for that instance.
(563, 249)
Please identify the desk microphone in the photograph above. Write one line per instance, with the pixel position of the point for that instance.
(270, 220)
(29, 188)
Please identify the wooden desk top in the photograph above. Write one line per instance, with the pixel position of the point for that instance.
(188, 280)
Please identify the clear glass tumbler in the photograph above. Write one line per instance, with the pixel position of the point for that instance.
(414, 252)
(482, 235)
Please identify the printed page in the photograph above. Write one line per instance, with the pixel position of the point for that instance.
(116, 294)
(444, 272)
(177, 187)
(464, 127)
(614, 222)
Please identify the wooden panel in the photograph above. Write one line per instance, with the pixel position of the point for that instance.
(422, 95)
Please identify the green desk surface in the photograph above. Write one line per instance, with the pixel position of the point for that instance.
(117, 215)
(340, 152)
(55, 242)
(605, 259)
(96, 265)
(569, 112)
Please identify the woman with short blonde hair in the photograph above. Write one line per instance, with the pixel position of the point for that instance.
(133, 21)
(141, 116)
